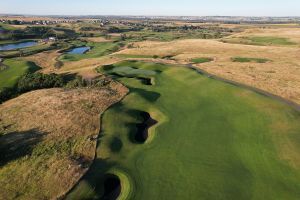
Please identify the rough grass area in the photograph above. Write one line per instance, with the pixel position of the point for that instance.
(284, 80)
(14, 69)
(256, 60)
(260, 41)
(201, 60)
(97, 50)
(48, 139)
(270, 40)
(132, 56)
(212, 140)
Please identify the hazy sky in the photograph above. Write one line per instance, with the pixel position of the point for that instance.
(153, 7)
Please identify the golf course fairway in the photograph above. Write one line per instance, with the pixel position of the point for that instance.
(211, 140)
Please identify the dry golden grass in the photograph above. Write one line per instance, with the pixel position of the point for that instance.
(281, 76)
(54, 132)
(87, 66)
(97, 39)
(46, 60)
(282, 32)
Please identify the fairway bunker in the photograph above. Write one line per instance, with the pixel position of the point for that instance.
(142, 128)
(112, 187)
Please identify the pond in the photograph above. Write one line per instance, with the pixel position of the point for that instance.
(79, 50)
(14, 46)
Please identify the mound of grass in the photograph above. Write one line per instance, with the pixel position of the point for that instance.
(15, 69)
(201, 60)
(52, 141)
(244, 59)
(270, 41)
(261, 41)
(213, 141)
(97, 50)
(133, 56)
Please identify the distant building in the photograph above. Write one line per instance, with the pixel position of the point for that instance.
(52, 39)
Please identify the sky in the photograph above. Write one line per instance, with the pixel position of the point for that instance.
(153, 7)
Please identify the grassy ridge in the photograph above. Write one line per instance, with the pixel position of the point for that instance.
(201, 60)
(213, 141)
(97, 50)
(15, 69)
(271, 40)
(260, 41)
(243, 59)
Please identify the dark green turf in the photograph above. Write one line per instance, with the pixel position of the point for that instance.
(243, 59)
(14, 70)
(201, 60)
(213, 140)
(97, 50)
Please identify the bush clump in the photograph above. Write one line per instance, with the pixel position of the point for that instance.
(36, 81)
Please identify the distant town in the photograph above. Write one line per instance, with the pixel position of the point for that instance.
(55, 19)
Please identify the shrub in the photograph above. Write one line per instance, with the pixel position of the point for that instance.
(58, 64)
(39, 81)
(6, 93)
(77, 82)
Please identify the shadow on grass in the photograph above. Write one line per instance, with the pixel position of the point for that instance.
(148, 95)
(32, 67)
(103, 184)
(116, 145)
(16, 145)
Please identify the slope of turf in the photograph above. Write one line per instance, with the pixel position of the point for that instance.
(201, 60)
(244, 59)
(14, 70)
(97, 50)
(268, 40)
(212, 141)
(260, 41)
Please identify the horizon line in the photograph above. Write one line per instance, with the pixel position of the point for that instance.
(132, 15)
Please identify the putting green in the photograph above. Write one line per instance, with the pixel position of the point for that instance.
(14, 70)
(212, 141)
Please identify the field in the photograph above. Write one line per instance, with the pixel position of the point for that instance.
(271, 36)
(211, 140)
(14, 70)
(279, 76)
(179, 121)
(48, 139)
(46, 60)
(97, 50)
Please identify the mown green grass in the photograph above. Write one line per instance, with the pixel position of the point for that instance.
(8, 27)
(15, 69)
(244, 59)
(260, 41)
(213, 141)
(271, 40)
(97, 50)
(132, 56)
(201, 60)
(135, 36)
